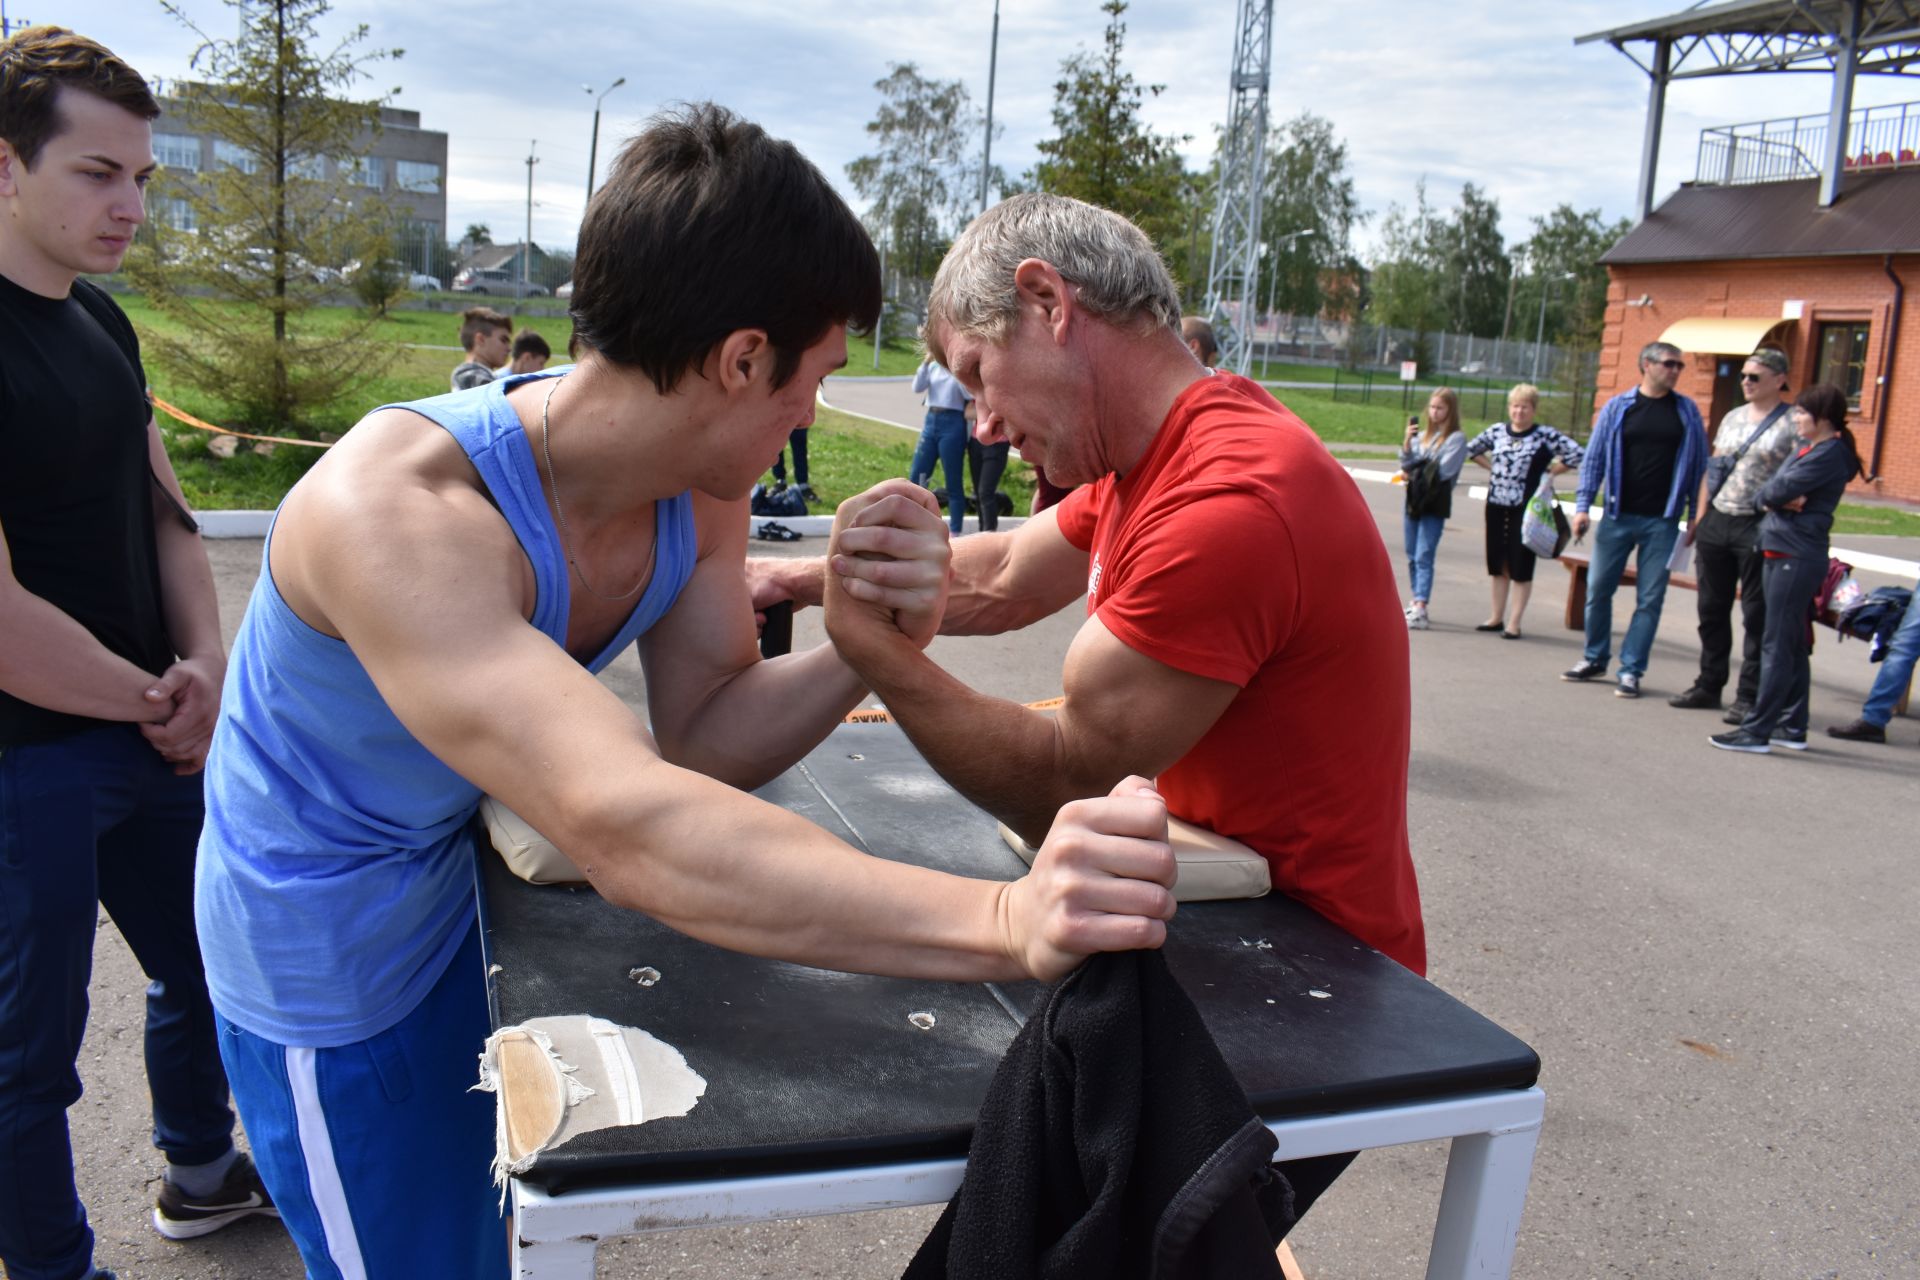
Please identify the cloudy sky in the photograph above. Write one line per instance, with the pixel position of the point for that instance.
(1487, 91)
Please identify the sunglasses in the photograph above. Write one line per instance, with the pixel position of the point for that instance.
(1751, 377)
(1678, 366)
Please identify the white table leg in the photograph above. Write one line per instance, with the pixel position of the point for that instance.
(553, 1259)
(1481, 1203)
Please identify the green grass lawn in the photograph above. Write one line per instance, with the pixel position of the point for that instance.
(1860, 517)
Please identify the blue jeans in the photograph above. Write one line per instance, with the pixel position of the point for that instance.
(1422, 534)
(94, 820)
(945, 434)
(1651, 539)
(1896, 669)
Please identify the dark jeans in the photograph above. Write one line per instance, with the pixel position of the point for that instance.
(944, 436)
(1791, 582)
(96, 818)
(799, 442)
(1726, 556)
(985, 462)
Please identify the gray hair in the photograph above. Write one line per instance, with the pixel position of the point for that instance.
(1117, 273)
(1658, 351)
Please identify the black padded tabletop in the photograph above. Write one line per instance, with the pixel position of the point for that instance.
(808, 1069)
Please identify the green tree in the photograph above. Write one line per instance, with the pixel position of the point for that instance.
(1104, 153)
(1308, 190)
(1566, 241)
(1474, 268)
(923, 179)
(1406, 280)
(478, 233)
(281, 211)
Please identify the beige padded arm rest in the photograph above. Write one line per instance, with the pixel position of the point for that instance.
(1212, 867)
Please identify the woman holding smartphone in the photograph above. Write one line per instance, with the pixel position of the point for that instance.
(1430, 459)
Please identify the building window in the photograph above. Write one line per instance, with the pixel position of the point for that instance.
(416, 175)
(370, 171)
(1843, 358)
(235, 156)
(310, 167)
(177, 151)
(174, 212)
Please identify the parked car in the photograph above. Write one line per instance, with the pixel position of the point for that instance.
(1474, 366)
(417, 281)
(564, 291)
(486, 280)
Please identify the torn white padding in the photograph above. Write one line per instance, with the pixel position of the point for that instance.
(624, 1076)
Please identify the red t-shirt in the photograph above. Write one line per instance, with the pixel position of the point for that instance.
(1239, 550)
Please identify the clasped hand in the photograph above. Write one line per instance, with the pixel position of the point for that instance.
(186, 698)
(888, 567)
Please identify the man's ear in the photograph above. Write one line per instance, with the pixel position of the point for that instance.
(1043, 290)
(743, 356)
(9, 169)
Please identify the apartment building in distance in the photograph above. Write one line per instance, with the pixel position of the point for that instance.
(403, 162)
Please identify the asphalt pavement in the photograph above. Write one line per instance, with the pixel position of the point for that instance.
(1714, 955)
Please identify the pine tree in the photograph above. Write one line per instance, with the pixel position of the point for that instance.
(281, 211)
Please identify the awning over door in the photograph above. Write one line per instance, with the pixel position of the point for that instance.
(1721, 335)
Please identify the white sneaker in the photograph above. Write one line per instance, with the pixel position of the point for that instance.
(1417, 618)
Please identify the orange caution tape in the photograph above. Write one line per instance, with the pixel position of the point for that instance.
(192, 421)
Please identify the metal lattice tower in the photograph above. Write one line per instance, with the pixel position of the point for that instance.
(1233, 270)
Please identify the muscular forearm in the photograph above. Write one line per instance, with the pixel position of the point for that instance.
(51, 661)
(989, 597)
(1007, 759)
(733, 871)
(754, 726)
(188, 598)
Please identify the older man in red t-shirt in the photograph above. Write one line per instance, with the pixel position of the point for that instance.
(1243, 639)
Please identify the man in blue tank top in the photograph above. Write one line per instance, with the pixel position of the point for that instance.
(437, 594)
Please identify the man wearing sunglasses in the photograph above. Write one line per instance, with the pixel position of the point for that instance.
(1648, 451)
(1753, 440)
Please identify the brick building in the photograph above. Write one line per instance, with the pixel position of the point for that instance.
(1718, 270)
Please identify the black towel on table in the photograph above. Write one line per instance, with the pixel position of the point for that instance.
(1114, 1143)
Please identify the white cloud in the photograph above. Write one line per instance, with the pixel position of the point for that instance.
(1488, 91)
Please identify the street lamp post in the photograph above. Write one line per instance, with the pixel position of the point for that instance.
(1540, 333)
(986, 147)
(593, 148)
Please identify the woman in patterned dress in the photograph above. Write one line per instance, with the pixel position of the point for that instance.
(1518, 452)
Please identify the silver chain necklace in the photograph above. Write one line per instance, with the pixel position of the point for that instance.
(560, 511)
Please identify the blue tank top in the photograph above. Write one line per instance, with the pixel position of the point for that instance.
(336, 872)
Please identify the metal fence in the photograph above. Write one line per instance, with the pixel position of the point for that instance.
(1796, 146)
(1358, 345)
(1566, 399)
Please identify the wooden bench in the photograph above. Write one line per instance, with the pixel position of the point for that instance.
(1578, 562)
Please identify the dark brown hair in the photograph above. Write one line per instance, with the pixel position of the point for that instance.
(527, 342)
(708, 226)
(475, 321)
(1829, 404)
(37, 63)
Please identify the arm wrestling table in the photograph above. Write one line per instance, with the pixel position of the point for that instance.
(823, 1097)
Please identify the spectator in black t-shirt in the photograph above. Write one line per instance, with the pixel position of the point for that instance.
(110, 668)
(1648, 450)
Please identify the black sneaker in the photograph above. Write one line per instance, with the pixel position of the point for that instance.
(179, 1216)
(1791, 739)
(1737, 713)
(1696, 699)
(1585, 671)
(1858, 731)
(1741, 740)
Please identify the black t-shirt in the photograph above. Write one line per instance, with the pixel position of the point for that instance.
(76, 485)
(1650, 439)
